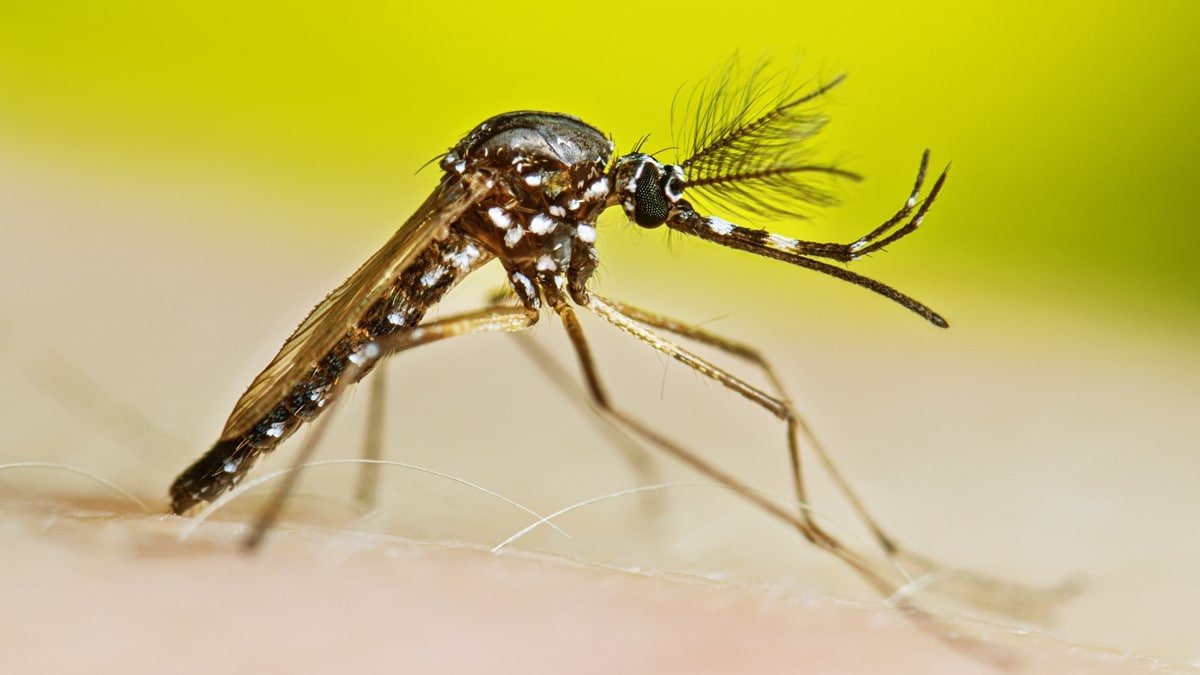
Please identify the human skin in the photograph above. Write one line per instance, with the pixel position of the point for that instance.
(97, 587)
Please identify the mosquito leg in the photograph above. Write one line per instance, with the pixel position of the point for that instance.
(640, 462)
(778, 406)
(898, 596)
(866, 570)
(1003, 596)
(604, 406)
(491, 320)
(367, 488)
(796, 423)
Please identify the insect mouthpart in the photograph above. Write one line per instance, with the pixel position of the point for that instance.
(647, 188)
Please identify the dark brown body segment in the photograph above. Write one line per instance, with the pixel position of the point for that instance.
(535, 170)
(432, 274)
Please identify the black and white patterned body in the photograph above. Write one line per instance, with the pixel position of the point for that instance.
(527, 188)
(548, 184)
(540, 181)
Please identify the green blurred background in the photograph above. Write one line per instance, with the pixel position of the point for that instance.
(1072, 126)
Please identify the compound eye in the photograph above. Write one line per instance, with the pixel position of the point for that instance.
(651, 206)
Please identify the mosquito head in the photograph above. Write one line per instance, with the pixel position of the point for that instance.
(647, 189)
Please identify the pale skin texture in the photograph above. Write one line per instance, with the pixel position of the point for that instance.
(118, 593)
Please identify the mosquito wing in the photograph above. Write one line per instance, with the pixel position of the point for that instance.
(341, 309)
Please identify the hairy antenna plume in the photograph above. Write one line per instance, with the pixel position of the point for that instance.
(746, 142)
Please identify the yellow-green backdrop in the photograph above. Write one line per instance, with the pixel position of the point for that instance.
(1072, 126)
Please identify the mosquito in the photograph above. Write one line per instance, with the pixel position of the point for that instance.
(527, 188)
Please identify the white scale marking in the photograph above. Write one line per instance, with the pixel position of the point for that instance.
(556, 210)
(721, 227)
(433, 276)
(542, 224)
(499, 217)
(670, 186)
(513, 235)
(533, 179)
(367, 352)
(781, 242)
(275, 430)
(546, 264)
(586, 233)
(598, 190)
(396, 319)
(463, 259)
(526, 284)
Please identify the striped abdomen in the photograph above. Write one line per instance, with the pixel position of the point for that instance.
(431, 275)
